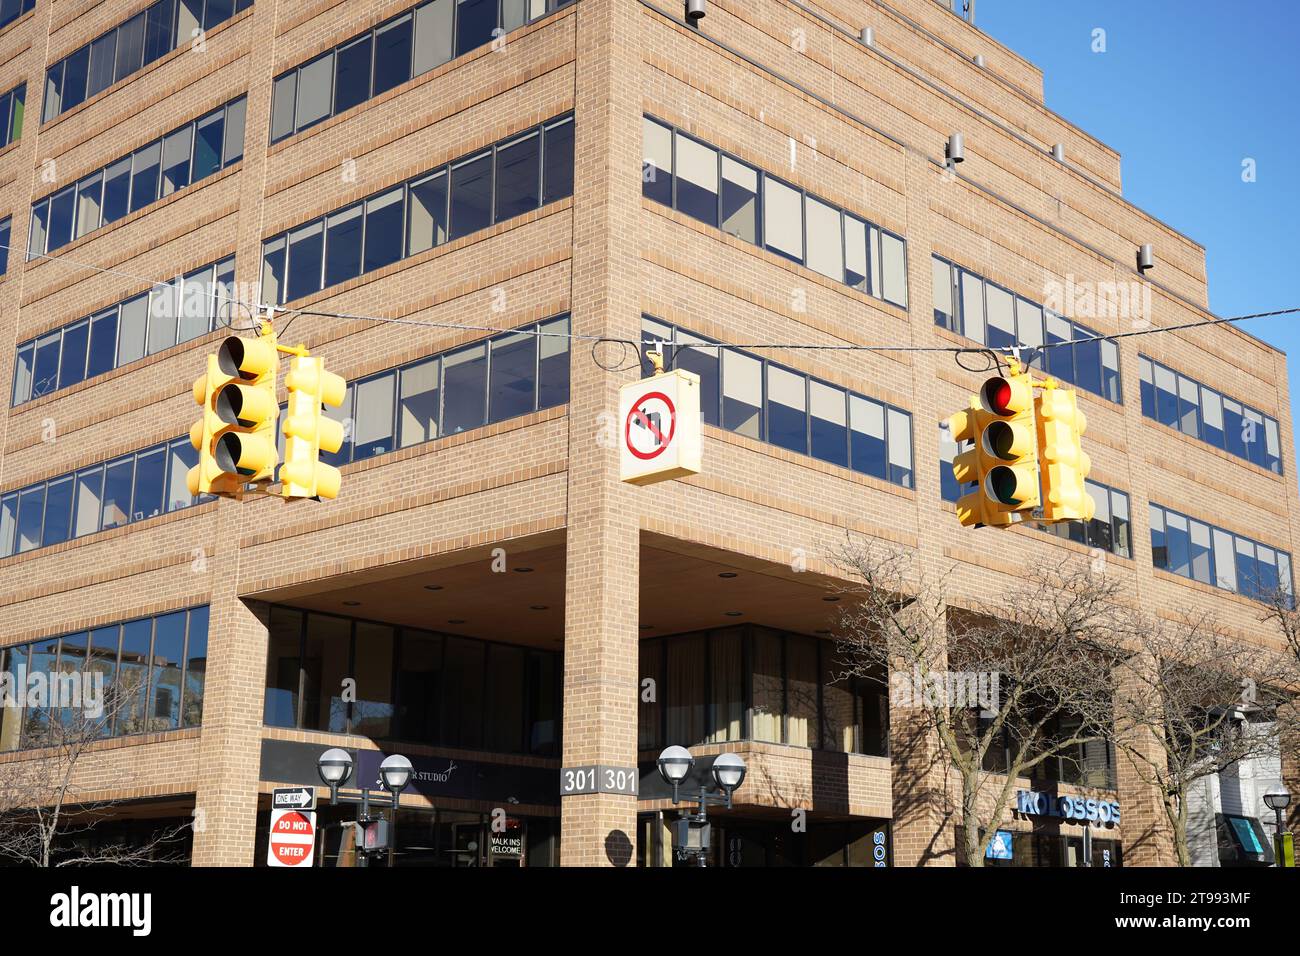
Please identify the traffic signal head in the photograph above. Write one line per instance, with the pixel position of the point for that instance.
(236, 436)
(975, 509)
(308, 432)
(1065, 464)
(1007, 442)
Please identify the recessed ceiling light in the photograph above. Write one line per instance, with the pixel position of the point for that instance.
(539, 607)
(433, 587)
(456, 620)
(830, 599)
(523, 570)
(351, 603)
(727, 574)
(735, 613)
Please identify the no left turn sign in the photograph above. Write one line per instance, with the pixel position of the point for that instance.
(651, 425)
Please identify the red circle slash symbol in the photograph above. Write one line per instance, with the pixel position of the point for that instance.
(645, 417)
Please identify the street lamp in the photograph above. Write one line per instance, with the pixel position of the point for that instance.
(1284, 842)
(691, 836)
(335, 768)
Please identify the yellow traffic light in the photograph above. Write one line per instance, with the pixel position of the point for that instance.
(1008, 443)
(308, 432)
(1065, 464)
(974, 510)
(236, 436)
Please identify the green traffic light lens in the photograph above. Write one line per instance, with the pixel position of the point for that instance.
(1002, 485)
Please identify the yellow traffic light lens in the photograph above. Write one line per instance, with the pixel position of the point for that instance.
(247, 455)
(247, 358)
(244, 405)
(1008, 486)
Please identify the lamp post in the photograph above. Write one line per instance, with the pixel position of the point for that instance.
(691, 836)
(335, 766)
(1283, 841)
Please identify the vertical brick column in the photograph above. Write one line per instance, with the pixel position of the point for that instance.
(601, 590)
(230, 748)
(1147, 839)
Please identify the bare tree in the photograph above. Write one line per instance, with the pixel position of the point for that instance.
(1193, 702)
(46, 817)
(1047, 649)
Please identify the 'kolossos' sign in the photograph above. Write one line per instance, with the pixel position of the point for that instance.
(1081, 809)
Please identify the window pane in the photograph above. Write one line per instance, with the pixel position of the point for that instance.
(1247, 568)
(38, 233)
(189, 21)
(343, 415)
(471, 195)
(150, 467)
(1189, 407)
(475, 21)
(505, 699)
(130, 46)
(144, 176)
(518, 183)
(325, 665)
(1087, 360)
(181, 457)
(372, 713)
(767, 687)
(207, 146)
(117, 492)
(972, 307)
(282, 104)
(739, 200)
(63, 210)
(23, 375)
(801, 691)
(1001, 317)
(867, 436)
(900, 448)
(393, 55)
(1029, 328)
(941, 273)
(158, 37)
(195, 304)
(352, 73)
(75, 69)
(433, 35)
(164, 712)
(418, 686)
(704, 363)
(176, 160)
(462, 701)
(132, 684)
(557, 161)
(90, 483)
(894, 270)
(117, 190)
(58, 511)
(1110, 383)
(217, 12)
(697, 180)
(464, 384)
(513, 377)
(343, 245)
(727, 694)
(384, 230)
(306, 245)
(418, 409)
(1059, 360)
(553, 364)
(830, 441)
(45, 377)
(284, 647)
(273, 270)
(1178, 542)
(1166, 396)
(8, 523)
(373, 432)
(825, 243)
(1199, 536)
(89, 196)
(1159, 550)
(53, 96)
(236, 115)
(856, 268)
(164, 304)
(72, 361)
(657, 161)
(787, 409)
(782, 219)
(196, 667)
(686, 689)
(315, 87)
(426, 219)
(103, 58)
(31, 515)
(742, 393)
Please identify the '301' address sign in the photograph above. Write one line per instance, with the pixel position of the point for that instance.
(598, 778)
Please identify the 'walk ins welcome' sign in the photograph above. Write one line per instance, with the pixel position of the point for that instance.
(659, 428)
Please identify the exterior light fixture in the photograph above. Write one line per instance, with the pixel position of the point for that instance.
(691, 831)
(1277, 800)
(1058, 152)
(728, 773)
(395, 772)
(1146, 257)
(867, 36)
(1284, 842)
(956, 151)
(334, 767)
(695, 10)
(979, 60)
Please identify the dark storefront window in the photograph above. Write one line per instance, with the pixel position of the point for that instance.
(756, 683)
(411, 685)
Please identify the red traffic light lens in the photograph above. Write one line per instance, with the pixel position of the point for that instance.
(997, 396)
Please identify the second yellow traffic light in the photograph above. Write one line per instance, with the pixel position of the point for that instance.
(308, 432)
(1065, 465)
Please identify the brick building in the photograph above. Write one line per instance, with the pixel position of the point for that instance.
(488, 588)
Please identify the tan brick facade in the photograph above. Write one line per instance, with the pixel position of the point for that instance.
(785, 86)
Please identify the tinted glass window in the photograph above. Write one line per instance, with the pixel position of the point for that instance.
(305, 248)
(343, 245)
(117, 190)
(558, 159)
(518, 177)
(384, 230)
(434, 37)
(471, 195)
(475, 21)
(426, 219)
(697, 180)
(657, 162)
(465, 389)
(513, 376)
(352, 73)
(392, 55)
(144, 176)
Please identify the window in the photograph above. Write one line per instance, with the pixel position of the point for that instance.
(72, 361)
(945, 314)
(176, 150)
(867, 437)
(392, 54)
(1211, 555)
(434, 35)
(11, 10)
(62, 211)
(352, 69)
(657, 165)
(117, 190)
(893, 257)
(825, 240)
(829, 433)
(5, 232)
(166, 662)
(1001, 317)
(103, 60)
(373, 411)
(384, 230)
(418, 407)
(475, 22)
(408, 219)
(1199, 412)
(372, 711)
(783, 219)
(130, 47)
(742, 393)
(471, 195)
(90, 193)
(697, 180)
(283, 95)
(787, 410)
(518, 176)
(513, 376)
(315, 87)
(11, 114)
(465, 387)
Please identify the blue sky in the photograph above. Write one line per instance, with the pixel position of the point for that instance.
(1185, 91)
